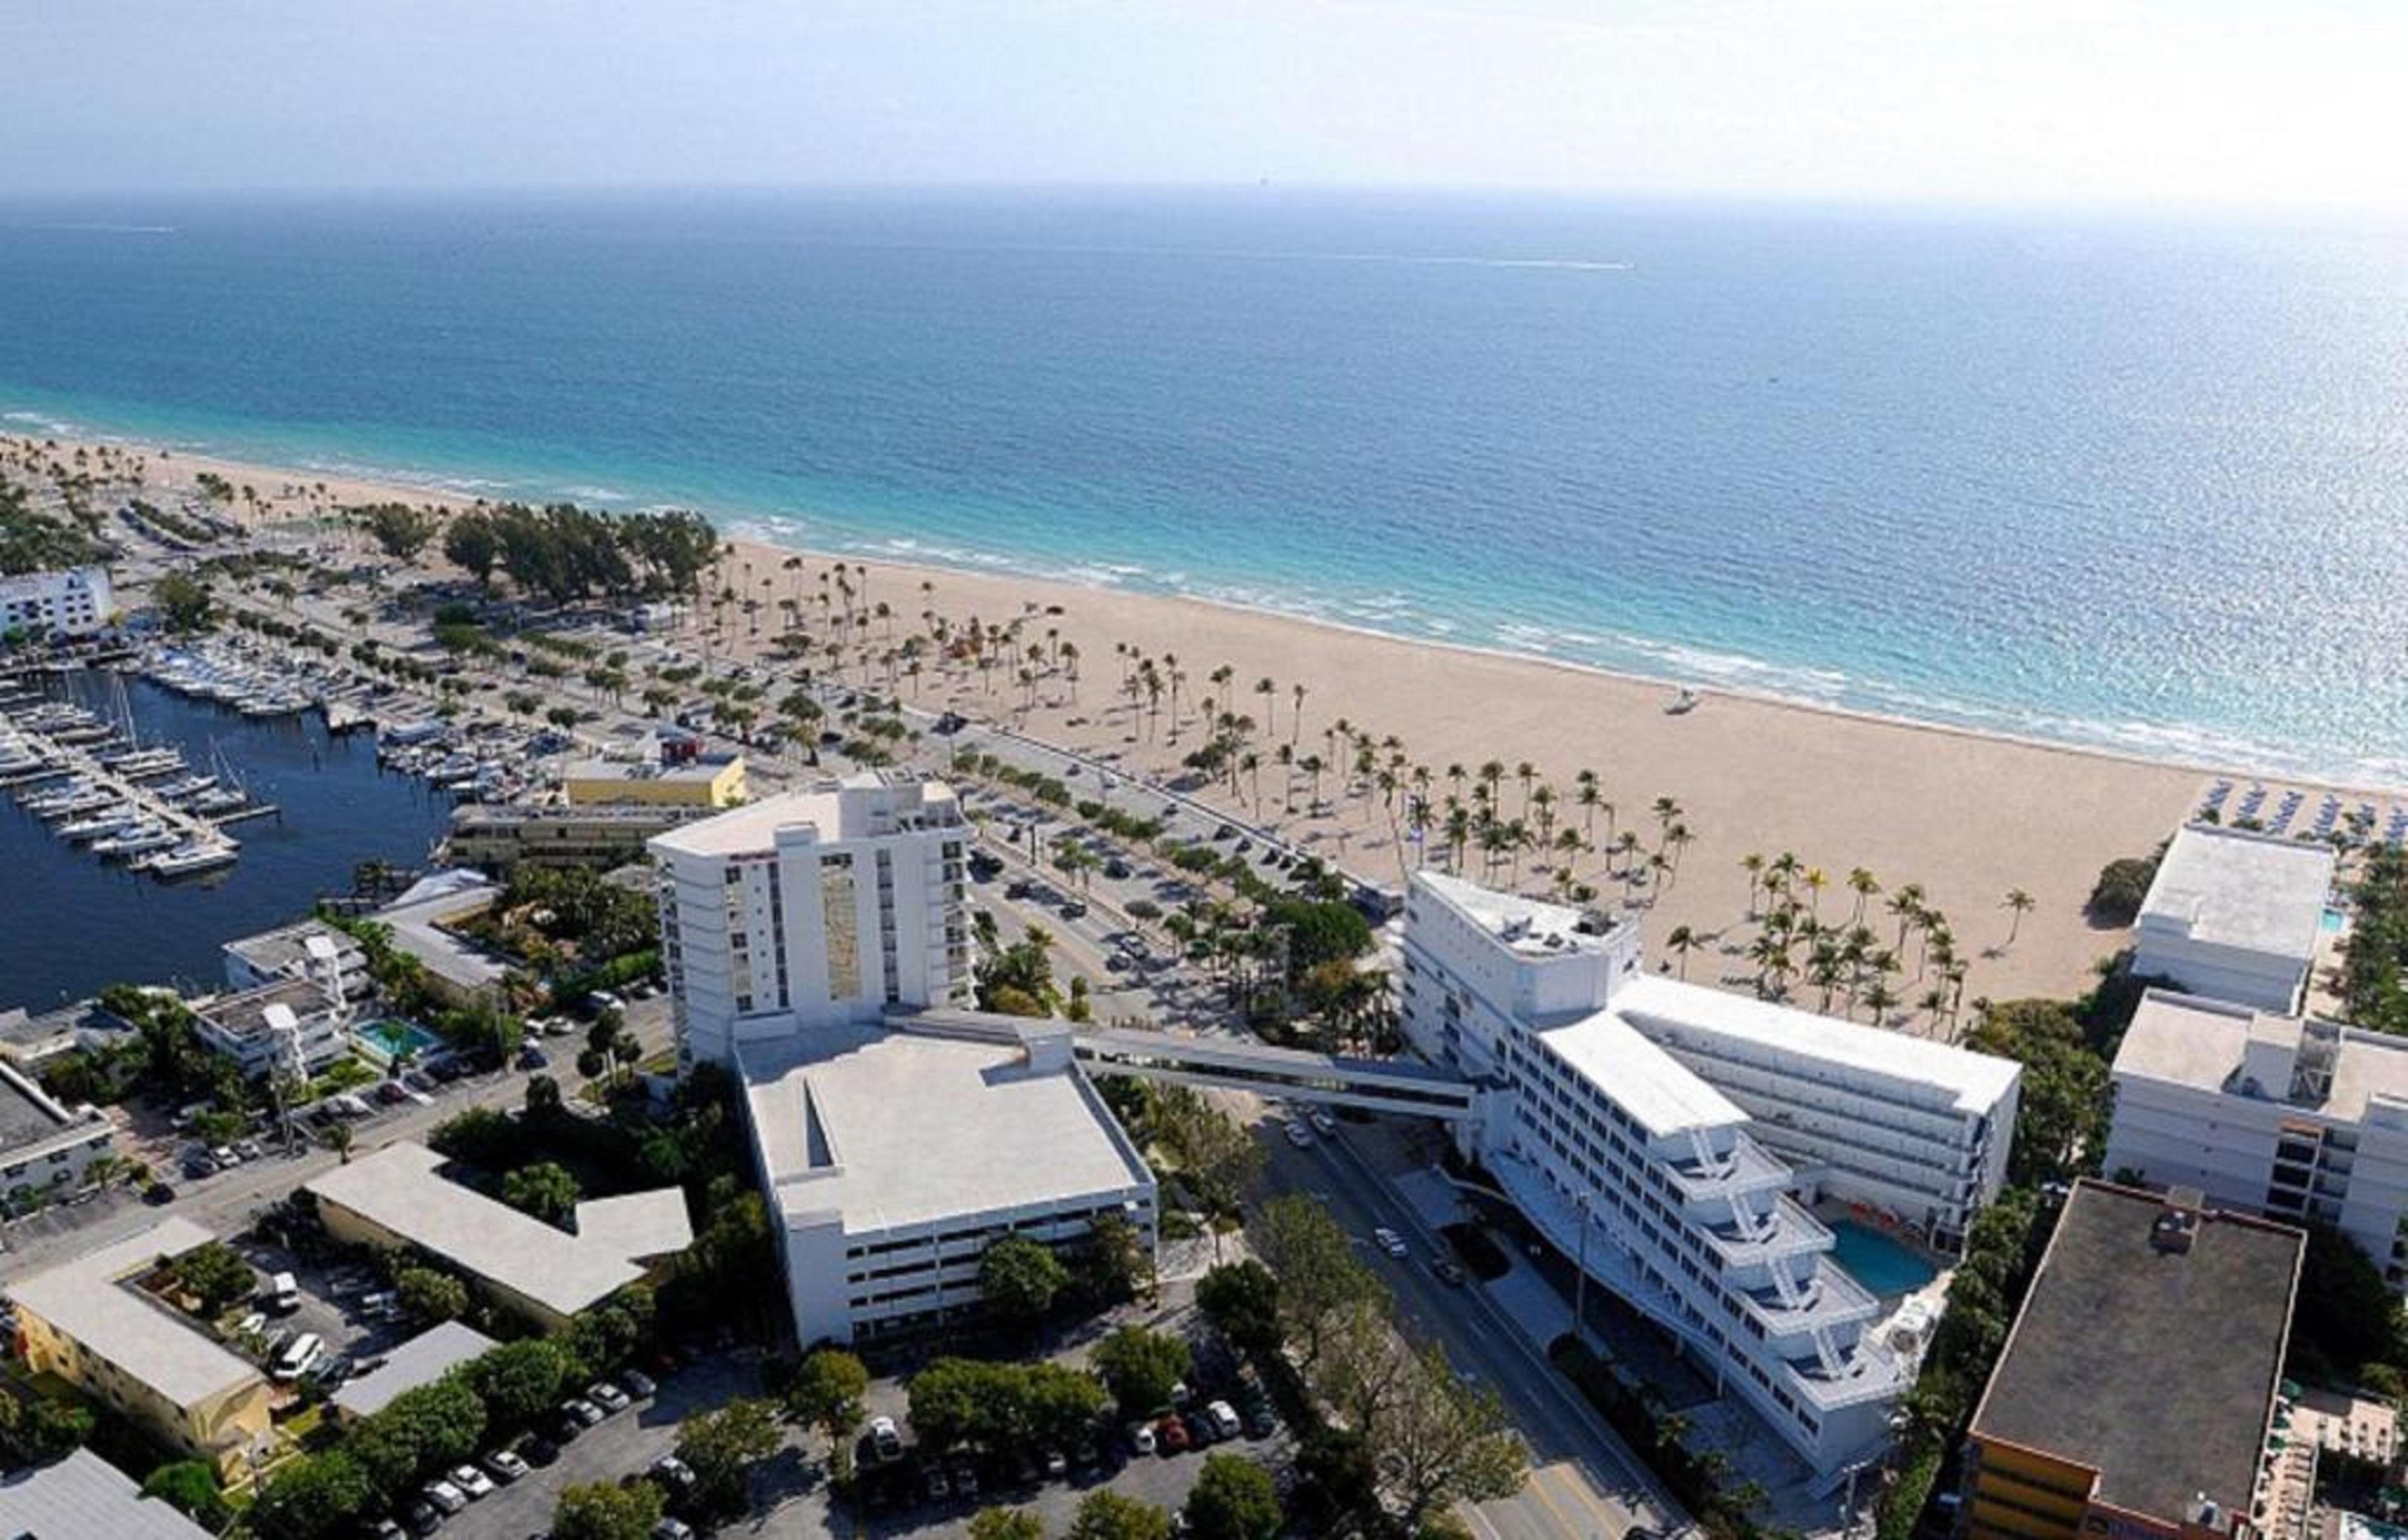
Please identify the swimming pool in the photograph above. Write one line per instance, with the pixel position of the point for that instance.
(1880, 1263)
(390, 1039)
(2334, 920)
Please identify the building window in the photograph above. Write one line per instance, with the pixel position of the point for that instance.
(839, 913)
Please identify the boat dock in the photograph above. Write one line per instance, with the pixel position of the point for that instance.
(182, 831)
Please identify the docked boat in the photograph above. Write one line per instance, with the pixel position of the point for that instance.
(137, 839)
(147, 763)
(191, 786)
(185, 859)
(225, 799)
(91, 801)
(109, 820)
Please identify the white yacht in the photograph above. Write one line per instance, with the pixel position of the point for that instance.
(136, 840)
(189, 857)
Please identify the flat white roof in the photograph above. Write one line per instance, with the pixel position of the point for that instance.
(422, 1360)
(400, 1188)
(2183, 1040)
(1530, 927)
(1664, 1094)
(846, 809)
(2240, 888)
(1976, 1081)
(893, 1128)
(142, 1336)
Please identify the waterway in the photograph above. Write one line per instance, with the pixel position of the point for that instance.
(71, 923)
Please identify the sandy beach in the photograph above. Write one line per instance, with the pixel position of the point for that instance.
(1965, 816)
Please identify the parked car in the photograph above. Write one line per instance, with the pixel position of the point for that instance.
(504, 1465)
(1141, 1438)
(1448, 1270)
(538, 1451)
(583, 1412)
(1389, 1241)
(608, 1396)
(424, 1518)
(532, 1057)
(1299, 1135)
(638, 1384)
(445, 1496)
(939, 1488)
(1171, 1433)
(672, 1529)
(1324, 1122)
(671, 1473)
(472, 1482)
(884, 1441)
(1225, 1419)
(297, 1356)
(158, 1194)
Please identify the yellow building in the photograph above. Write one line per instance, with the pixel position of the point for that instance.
(91, 1323)
(2136, 1392)
(704, 783)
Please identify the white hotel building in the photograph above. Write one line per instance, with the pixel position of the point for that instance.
(1686, 1125)
(816, 942)
(2235, 915)
(75, 602)
(2300, 1120)
(813, 908)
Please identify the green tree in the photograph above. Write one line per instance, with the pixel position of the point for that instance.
(421, 1429)
(431, 1295)
(1141, 1367)
(190, 1487)
(1020, 1278)
(1060, 1404)
(827, 1394)
(1319, 1278)
(1006, 1524)
(183, 601)
(2347, 1319)
(216, 1275)
(400, 531)
(958, 1402)
(1442, 1440)
(723, 1445)
(316, 1496)
(1233, 1499)
(2061, 1115)
(472, 545)
(521, 1380)
(601, 1511)
(1106, 1514)
(1242, 1300)
(544, 1190)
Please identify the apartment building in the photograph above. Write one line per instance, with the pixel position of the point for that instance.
(896, 1157)
(85, 1495)
(2235, 914)
(2299, 1119)
(43, 1142)
(310, 949)
(92, 1323)
(290, 1026)
(501, 835)
(1668, 1132)
(2135, 1397)
(73, 602)
(398, 1200)
(815, 909)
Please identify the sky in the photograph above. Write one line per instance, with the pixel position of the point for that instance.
(2268, 103)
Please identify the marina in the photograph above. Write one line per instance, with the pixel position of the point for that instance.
(310, 808)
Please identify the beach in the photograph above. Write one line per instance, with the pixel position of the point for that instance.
(1965, 816)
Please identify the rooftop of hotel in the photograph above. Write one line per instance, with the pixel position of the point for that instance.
(858, 807)
(2154, 1366)
(2188, 1041)
(84, 1495)
(1530, 927)
(1671, 1010)
(422, 1360)
(401, 1189)
(86, 1299)
(245, 1015)
(1645, 1081)
(897, 1128)
(596, 767)
(2242, 887)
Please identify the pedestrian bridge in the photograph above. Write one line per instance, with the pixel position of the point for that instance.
(1373, 1085)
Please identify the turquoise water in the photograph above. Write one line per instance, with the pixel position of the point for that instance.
(391, 1037)
(2333, 921)
(1877, 1261)
(2104, 480)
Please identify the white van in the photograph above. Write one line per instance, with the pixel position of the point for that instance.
(296, 1360)
(284, 1293)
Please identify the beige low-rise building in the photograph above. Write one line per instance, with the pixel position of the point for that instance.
(91, 1322)
(700, 783)
(398, 1199)
(503, 837)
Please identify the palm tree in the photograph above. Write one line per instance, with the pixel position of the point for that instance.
(1879, 999)
(1681, 940)
(1587, 796)
(1296, 725)
(1753, 865)
(1862, 884)
(2021, 903)
(1905, 904)
(1814, 881)
(1270, 693)
(1526, 773)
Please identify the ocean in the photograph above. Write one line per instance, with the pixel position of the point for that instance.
(2135, 483)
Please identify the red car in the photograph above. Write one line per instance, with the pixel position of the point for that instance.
(1171, 1433)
